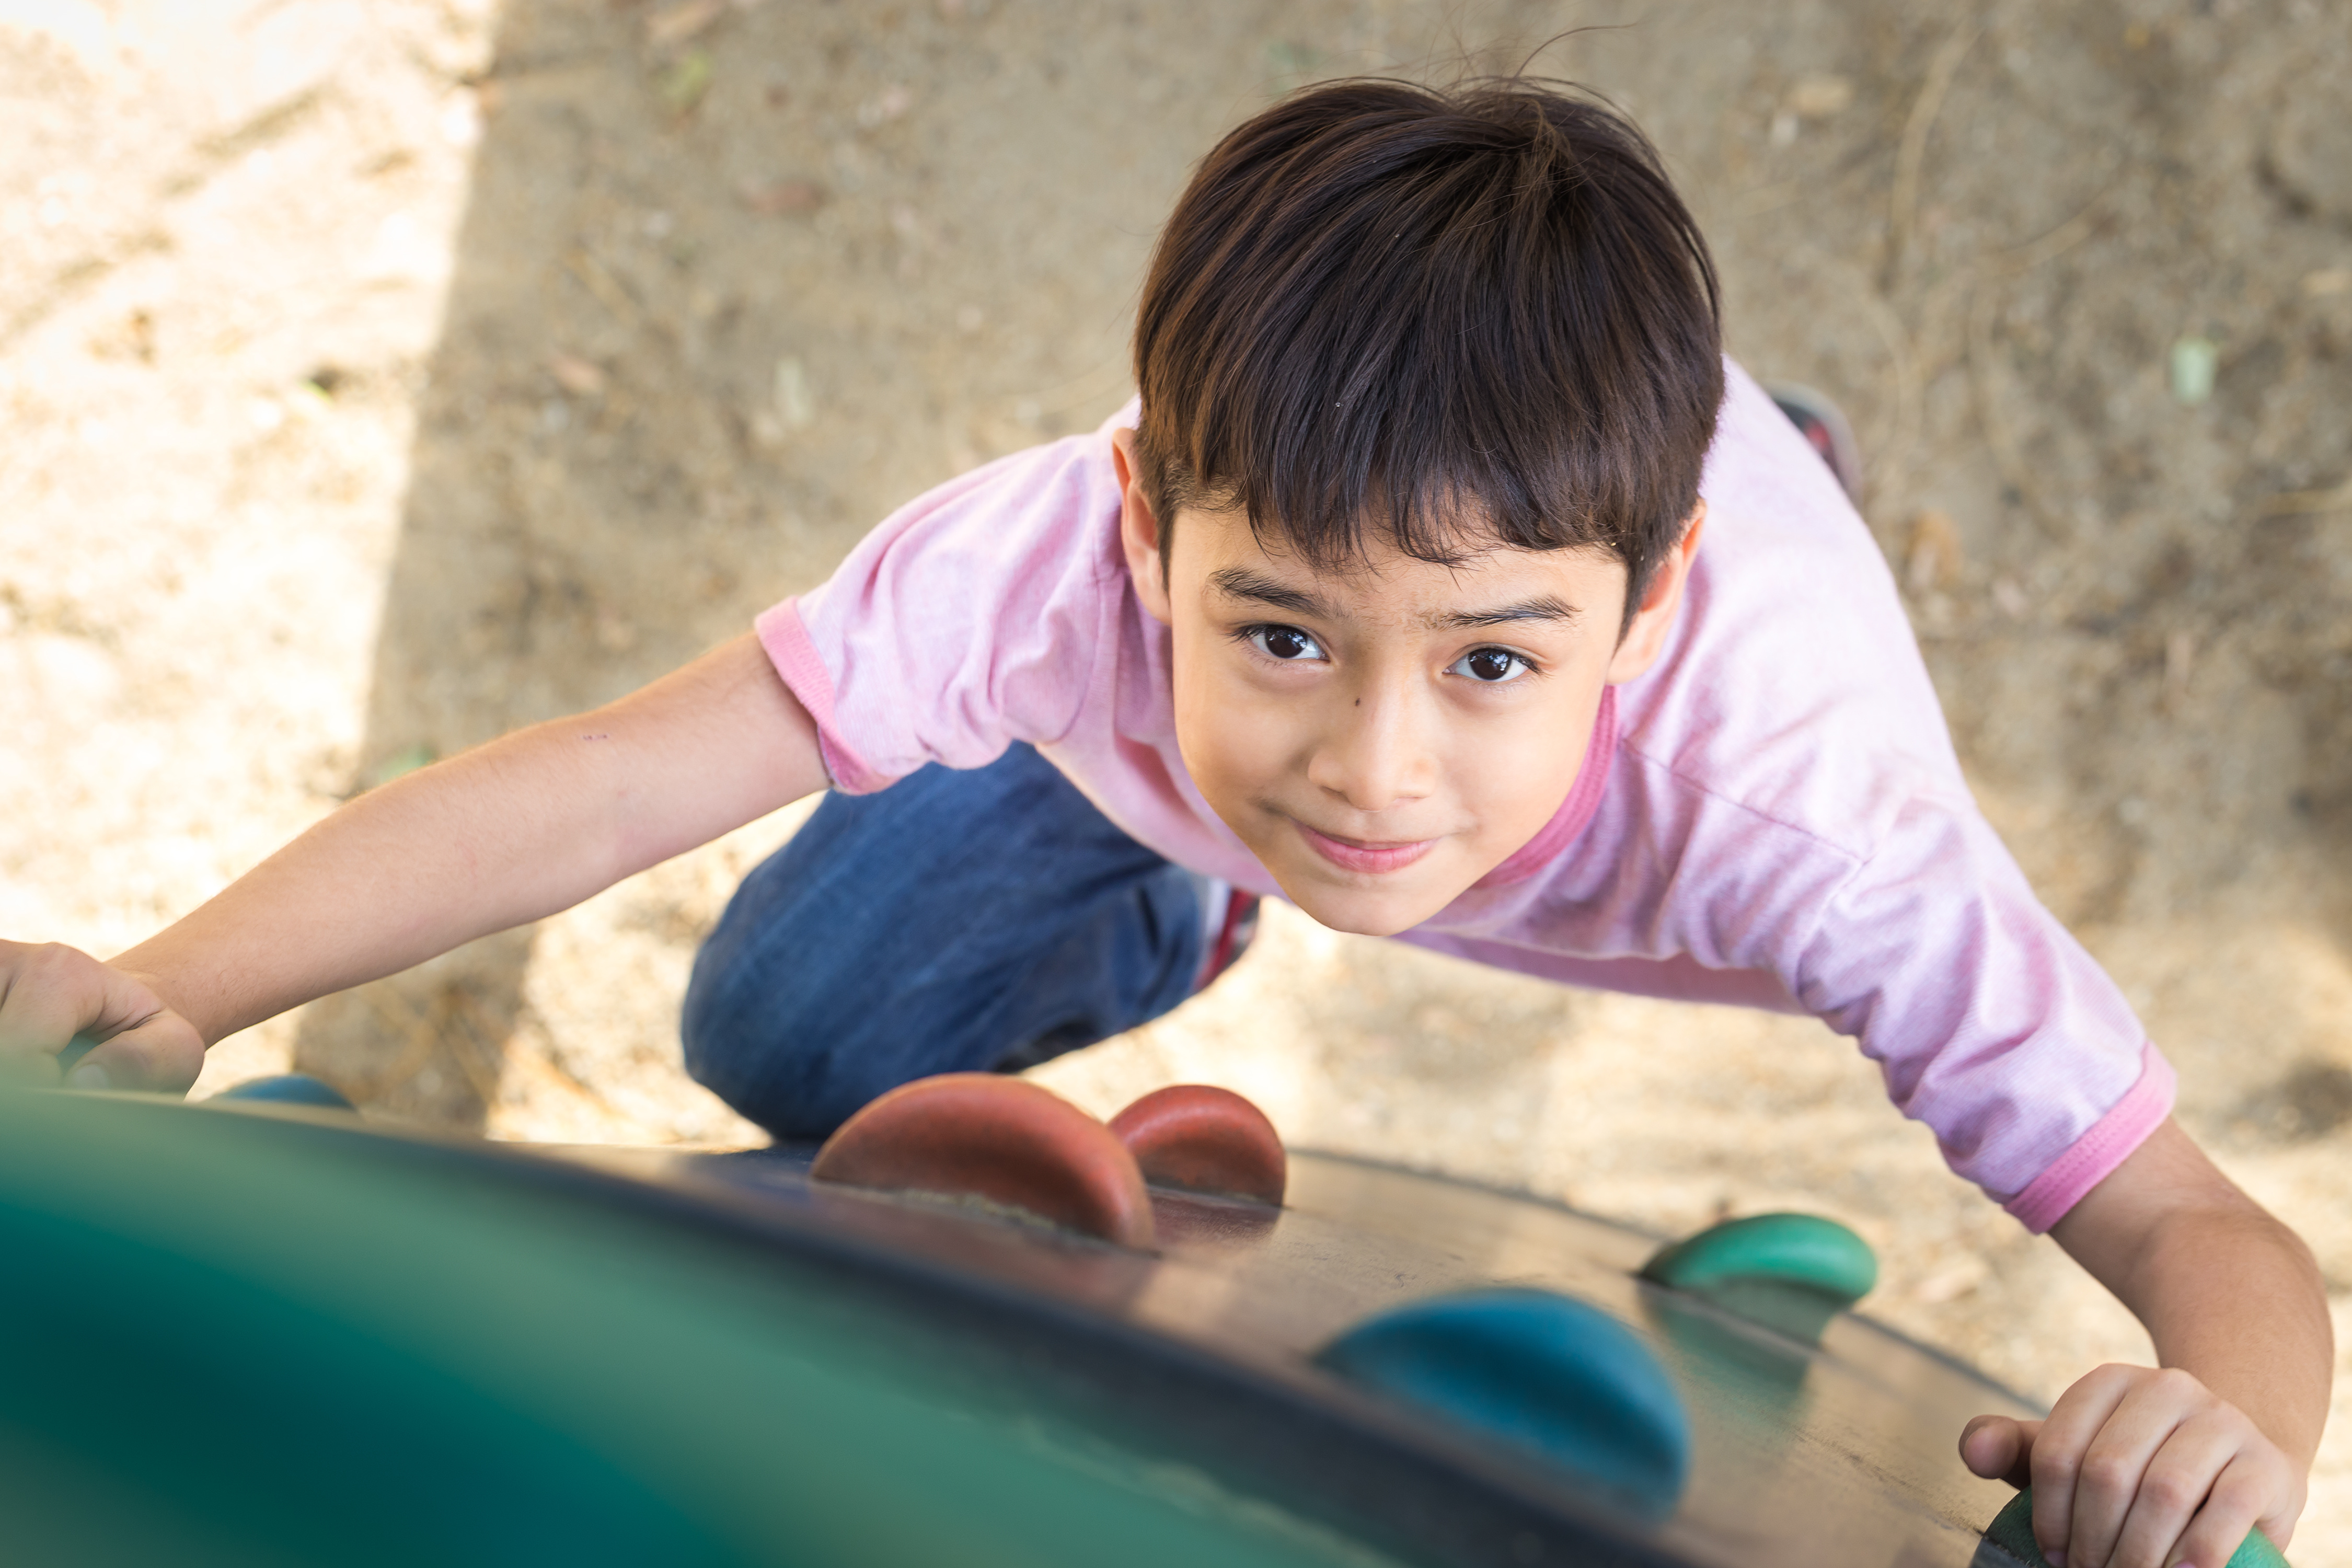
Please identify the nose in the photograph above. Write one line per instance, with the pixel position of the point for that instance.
(1377, 750)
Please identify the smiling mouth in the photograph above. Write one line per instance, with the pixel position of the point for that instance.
(1364, 854)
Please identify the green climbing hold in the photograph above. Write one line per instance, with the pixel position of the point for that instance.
(2011, 1530)
(1792, 1272)
(1797, 1248)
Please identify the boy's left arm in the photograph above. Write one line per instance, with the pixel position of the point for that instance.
(2140, 1468)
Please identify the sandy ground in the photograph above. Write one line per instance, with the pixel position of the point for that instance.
(378, 377)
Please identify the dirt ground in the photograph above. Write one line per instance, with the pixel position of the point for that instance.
(378, 377)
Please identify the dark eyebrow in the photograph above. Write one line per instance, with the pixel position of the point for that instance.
(1240, 582)
(1546, 609)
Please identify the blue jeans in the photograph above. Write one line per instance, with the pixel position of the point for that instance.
(958, 920)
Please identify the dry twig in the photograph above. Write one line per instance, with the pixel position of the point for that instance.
(1992, 418)
(2310, 504)
(1903, 206)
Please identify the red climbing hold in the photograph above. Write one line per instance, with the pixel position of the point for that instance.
(1207, 1138)
(976, 1135)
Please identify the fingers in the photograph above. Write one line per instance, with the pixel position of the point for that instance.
(2137, 1467)
(45, 993)
(49, 994)
(2059, 1465)
(22, 1071)
(164, 1055)
(2175, 1486)
(2233, 1506)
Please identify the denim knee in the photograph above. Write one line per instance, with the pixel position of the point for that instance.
(764, 1041)
(800, 1049)
(947, 923)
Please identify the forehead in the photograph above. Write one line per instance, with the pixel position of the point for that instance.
(1214, 552)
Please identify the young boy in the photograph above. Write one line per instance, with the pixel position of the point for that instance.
(1445, 581)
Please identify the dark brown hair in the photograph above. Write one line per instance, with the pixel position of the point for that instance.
(1461, 317)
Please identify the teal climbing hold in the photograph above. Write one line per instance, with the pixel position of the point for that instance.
(1543, 1373)
(1792, 1272)
(288, 1088)
(1797, 1248)
(2011, 1530)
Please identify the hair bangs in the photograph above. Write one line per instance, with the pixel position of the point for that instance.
(1453, 320)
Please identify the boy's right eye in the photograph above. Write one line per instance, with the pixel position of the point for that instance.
(1287, 644)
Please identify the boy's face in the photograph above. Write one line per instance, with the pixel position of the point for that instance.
(1382, 737)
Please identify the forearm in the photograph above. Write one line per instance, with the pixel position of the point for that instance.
(2237, 1301)
(404, 872)
(501, 836)
(2227, 1293)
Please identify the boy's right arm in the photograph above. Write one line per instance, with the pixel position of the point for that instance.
(498, 836)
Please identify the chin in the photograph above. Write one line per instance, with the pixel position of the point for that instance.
(1364, 914)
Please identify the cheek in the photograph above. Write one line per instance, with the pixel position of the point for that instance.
(1235, 739)
(1217, 727)
(1516, 772)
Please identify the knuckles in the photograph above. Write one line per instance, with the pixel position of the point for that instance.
(2172, 1493)
(2055, 1470)
(2239, 1491)
(2109, 1474)
(36, 978)
(2110, 1374)
(2162, 1498)
(53, 962)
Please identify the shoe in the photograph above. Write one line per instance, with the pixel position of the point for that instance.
(1228, 921)
(1824, 427)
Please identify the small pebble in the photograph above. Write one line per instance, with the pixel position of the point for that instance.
(687, 79)
(1935, 557)
(891, 104)
(2194, 361)
(1819, 96)
(795, 402)
(578, 376)
(781, 198)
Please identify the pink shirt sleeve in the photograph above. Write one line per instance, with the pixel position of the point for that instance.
(1802, 794)
(967, 620)
(1987, 1019)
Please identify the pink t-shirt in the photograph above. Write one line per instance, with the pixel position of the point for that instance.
(1773, 815)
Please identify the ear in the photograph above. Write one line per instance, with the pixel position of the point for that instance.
(1645, 634)
(1139, 531)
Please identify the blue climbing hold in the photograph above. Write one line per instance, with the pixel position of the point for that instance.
(1543, 1373)
(288, 1088)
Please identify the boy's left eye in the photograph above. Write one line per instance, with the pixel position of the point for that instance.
(1490, 666)
(1286, 644)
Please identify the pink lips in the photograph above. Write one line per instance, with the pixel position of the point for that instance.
(1350, 856)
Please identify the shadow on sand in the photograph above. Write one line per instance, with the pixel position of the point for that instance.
(718, 303)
